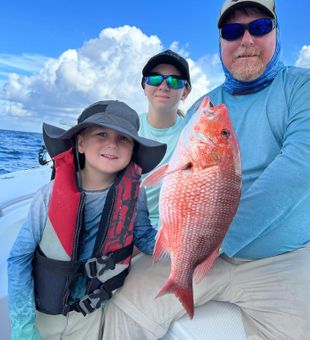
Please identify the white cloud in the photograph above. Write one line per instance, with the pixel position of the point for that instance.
(25, 62)
(36, 88)
(212, 67)
(107, 67)
(304, 57)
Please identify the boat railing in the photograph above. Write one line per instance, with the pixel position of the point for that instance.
(14, 201)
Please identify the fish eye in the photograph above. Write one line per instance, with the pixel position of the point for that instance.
(225, 133)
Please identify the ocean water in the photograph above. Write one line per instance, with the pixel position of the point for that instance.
(19, 150)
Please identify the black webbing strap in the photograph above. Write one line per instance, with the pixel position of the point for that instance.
(92, 301)
(92, 267)
(96, 266)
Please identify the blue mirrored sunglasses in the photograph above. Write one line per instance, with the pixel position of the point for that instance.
(256, 28)
(173, 82)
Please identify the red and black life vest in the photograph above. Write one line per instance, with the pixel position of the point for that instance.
(56, 266)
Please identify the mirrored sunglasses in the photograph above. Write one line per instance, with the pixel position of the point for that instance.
(173, 82)
(256, 28)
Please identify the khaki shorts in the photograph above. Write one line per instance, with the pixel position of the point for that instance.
(73, 326)
(273, 294)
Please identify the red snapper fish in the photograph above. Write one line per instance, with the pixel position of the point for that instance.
(198, 199)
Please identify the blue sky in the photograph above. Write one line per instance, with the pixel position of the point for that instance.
(58, 58)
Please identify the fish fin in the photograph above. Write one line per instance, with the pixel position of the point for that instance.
(156, 176)
(203, 268)
(181, 167)
(185, 295)
(160, 250)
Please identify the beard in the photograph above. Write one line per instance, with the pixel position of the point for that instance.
(247, 69)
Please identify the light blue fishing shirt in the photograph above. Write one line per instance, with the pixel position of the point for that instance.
(273, 129)
(20, 282)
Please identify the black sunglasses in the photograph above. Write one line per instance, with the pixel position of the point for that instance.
(256, 28)
(173, 82)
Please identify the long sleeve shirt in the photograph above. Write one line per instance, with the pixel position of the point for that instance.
(20, 281)
(273, 130)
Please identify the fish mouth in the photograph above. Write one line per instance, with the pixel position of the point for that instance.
(209, 111)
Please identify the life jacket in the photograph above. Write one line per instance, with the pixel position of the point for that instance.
(56, 266)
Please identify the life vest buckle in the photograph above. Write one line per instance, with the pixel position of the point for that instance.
(92, 301)
(95, 267)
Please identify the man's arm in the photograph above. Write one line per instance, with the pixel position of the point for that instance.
(283, 186)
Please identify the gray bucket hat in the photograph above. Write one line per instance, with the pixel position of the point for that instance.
(111, 114)
(230, 5)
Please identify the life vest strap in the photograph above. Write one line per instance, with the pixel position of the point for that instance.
(95, 267)
(93, 301)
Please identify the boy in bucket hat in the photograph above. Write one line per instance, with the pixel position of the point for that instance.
(74, 249)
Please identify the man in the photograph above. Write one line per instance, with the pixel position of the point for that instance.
(265, 266)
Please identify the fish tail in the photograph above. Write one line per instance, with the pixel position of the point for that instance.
(185, 295)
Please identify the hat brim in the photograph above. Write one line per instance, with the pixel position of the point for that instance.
(147, 154)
